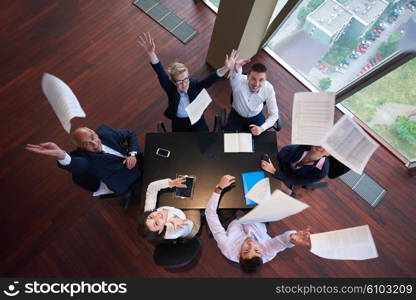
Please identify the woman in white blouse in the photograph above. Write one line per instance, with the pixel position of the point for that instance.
(167, 222)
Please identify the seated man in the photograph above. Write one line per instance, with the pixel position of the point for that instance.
(108, 155)
(179, 87)
(167, 222)
(248, 244)
(299, 165)
(250, 92)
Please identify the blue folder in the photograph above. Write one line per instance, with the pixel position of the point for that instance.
(249, 180)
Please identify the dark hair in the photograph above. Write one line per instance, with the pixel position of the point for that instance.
(145, 231)
(252, 265)
(258, 67)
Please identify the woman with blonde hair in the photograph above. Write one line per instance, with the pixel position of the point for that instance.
(179, 87)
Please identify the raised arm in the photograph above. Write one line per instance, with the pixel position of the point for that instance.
(154, 188)
(211, 212)
(48, 148)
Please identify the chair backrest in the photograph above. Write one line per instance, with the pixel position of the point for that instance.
(177, 253)
(160, 127)
(86, 181)
(336, 168)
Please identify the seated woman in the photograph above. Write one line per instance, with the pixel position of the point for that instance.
(167, 222)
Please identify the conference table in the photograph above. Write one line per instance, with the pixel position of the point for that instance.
(201, 154)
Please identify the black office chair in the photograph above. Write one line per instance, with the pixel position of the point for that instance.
(92, 183)
(220, 121)
(177, 253)
(336, 169)
(160, 127)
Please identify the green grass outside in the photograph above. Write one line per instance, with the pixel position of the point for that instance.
(396, 87)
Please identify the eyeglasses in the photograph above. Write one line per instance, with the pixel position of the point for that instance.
(178, 82)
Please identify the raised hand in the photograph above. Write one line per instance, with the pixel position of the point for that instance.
(226, 181)
(177, 222)
(301, 238)
(146, 41)
(48, 148)
(178, 182)
(230, 60)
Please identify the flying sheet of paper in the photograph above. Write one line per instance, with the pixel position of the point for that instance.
(197, 107)
(355, 243)
(260, 192)
(238, 142)
(62, 100)
(312, 117)
(349, 144)
(275, 208)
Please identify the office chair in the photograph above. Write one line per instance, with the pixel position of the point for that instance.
(219, 121)
(172, 254)
(91, 183)
(336, 169)
(160, 127)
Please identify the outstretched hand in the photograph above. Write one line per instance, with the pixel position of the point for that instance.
(232, 62)
(177, 222)
(146, 41)
(47, 148)
(301, 238)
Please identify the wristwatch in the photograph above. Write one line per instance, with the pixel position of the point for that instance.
(132, 153)
(218, 187)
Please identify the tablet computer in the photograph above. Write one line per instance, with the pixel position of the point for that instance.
(186, 192)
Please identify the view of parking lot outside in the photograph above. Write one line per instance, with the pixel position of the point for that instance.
(340, 40)
(388, 106)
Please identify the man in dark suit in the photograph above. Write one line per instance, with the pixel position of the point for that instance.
(108, 155)
(299, 165)
(179, 87)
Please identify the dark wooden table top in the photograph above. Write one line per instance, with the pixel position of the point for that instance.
(202, 155)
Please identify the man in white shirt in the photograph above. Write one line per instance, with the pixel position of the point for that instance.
(248, 244)
(250, 92)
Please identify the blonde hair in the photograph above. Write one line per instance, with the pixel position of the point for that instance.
(175, 69)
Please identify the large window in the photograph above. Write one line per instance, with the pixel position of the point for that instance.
(330, 43)
(388, 106)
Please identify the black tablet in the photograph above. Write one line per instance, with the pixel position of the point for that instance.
(186, 192)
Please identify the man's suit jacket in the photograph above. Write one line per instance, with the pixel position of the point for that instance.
(304, 175)
(195, 87)
(107, 167)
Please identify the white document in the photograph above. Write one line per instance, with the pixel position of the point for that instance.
(260, 192)
(197, 107)
(238, 142)
(62, 100)
(355, 243)
(312, 117)
(274, 208)
(349, 144)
